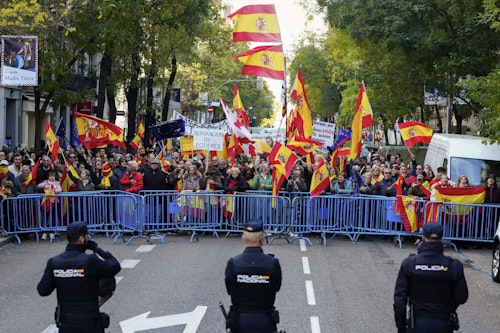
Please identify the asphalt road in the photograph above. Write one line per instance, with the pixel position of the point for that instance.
(343, 287)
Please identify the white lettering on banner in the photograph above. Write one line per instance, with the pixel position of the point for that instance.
(141, 322)
(324, 132)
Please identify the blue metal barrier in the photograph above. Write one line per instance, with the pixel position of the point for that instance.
(154, 213)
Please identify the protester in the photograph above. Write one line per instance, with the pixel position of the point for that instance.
(132, 180)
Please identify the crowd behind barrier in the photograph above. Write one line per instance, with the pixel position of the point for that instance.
(152, 214)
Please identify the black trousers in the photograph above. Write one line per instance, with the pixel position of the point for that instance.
(430, 325)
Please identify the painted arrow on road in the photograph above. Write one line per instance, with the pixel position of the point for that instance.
(141, 322)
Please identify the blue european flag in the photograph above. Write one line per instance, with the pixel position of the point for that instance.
(169, 129)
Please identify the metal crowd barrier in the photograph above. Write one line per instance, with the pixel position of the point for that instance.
(154, 213)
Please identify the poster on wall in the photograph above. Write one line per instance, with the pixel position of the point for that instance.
(19, 65)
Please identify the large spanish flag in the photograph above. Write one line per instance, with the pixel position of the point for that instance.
(407, 209)
(461, 195)
(266, 61)
(52, 142)
(256, 23)
(414, 132)
(320, 179)
(301, 121)
(94, 132)
(366, 108)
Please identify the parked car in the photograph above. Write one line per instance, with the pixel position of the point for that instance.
(495, 263)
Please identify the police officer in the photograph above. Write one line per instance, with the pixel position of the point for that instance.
(253, 279)
(432, 284)
(76, 274)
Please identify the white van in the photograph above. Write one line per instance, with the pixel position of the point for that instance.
(464, 155)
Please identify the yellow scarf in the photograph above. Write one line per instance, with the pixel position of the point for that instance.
(105, 182)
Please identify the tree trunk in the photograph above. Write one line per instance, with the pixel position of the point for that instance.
(112, 104)
(438, 117)
(150, 117)
(166, 99)
(132, 96)
(459, 118)
(105, 72)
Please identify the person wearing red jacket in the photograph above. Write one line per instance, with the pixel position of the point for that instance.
(132, 180)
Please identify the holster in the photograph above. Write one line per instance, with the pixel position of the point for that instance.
(275, 316)
(454, 323)
(104, 317)
(232, 322)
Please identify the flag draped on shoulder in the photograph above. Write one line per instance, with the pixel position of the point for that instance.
(407, 208)
(413, 132)
(94, 132)
(52, 142)
(320, 179)
(300, 120)
(256, 23)
(366, 108)
(266, 61)
(238, 107)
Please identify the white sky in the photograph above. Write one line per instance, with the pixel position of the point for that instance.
(292, 21)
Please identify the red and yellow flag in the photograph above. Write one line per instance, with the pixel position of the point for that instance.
(366, 108)
(136, 142)
(238, 108)
(266, 61)
(357, 127)
(301, 120)
(468, 195)
(94, 132)
(413, 132)
(52, 142)
(141, 130)
(256, 23)
(407, 208)
(303, 146)
(32, 176)
(320, 179)
(282, 158)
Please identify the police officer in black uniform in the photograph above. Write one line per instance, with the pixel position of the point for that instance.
(432, 284)
(253, 279)
(76, 274)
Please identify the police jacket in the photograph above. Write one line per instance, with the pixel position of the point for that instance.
(252, 279)
(75, 275)
(434, 284)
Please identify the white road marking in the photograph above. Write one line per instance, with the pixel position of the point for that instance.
(129, 263)
(118, 279)
(315, 325)
(305, 265)
(145, 248)
(303, 246)
(51, 329)
(311, 299)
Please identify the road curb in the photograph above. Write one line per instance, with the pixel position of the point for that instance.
(6, 240)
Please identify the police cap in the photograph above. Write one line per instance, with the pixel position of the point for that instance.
(433, 231)
(77, 229)
(254, 226)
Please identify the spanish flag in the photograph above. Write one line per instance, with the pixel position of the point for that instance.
(302, 145)
(301, 116)
(414, 132)
(366, 108)
(465, 195)
(282, 159)
(94, 132)
(357, 126)
(136, 142)
(256, 23)
(320, 179)
(52, 142)
(407, 209)
(141, 130)
(266, 61)
(241, 114)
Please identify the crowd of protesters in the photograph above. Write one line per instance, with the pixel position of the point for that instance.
(113, 168)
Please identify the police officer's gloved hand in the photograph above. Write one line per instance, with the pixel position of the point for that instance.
(91, 245)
